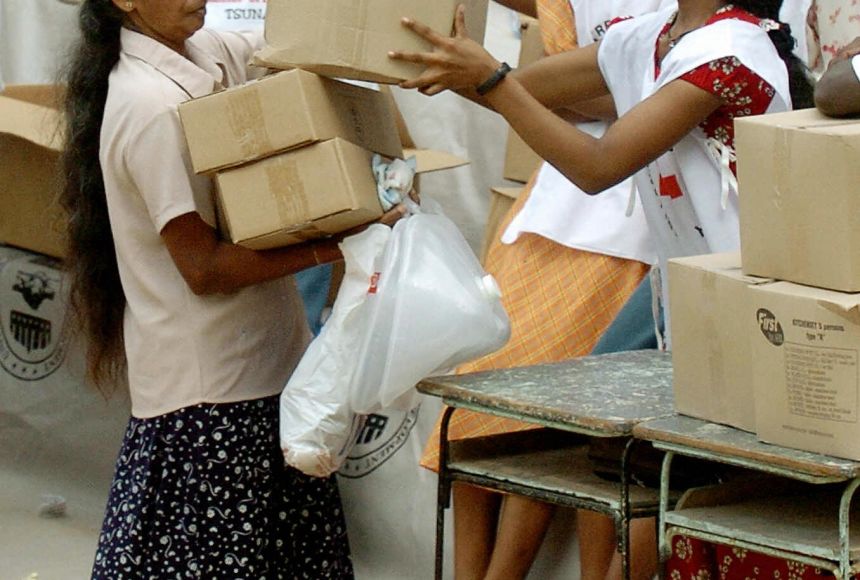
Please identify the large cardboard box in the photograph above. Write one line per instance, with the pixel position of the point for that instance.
(281, 112)
(501, 201)
(352, 38)
(798, 175)
(520, 160)
(30, 144)
(806, 350)
(307, 193)
(712, 326)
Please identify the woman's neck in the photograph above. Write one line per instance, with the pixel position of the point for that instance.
(693, 14)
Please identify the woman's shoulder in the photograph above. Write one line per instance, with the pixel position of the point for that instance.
(227, 45)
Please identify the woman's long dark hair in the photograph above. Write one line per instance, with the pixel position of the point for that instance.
(798, 78)
(97, 299)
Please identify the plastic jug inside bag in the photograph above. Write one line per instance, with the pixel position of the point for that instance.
(433, 308)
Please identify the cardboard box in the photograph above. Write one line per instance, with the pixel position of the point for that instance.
(520, 160)
(712, 326)
(798, 175)
(807, 384)
(30, 144)
(306, 193)
(501, 201)
(352, 38)
(281, 112)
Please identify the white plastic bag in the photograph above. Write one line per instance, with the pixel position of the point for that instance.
(431, 308)
(317, 424)
(414, 302)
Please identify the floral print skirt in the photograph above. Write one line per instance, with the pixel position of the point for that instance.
(203, 493)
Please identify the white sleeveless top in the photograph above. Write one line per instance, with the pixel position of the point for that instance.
(562, 212)
(702, 219)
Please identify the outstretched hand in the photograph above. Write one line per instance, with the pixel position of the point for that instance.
(456, 62)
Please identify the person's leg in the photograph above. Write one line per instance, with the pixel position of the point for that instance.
(596, 533)
(476, 516)
(522, 527)
(643, 552)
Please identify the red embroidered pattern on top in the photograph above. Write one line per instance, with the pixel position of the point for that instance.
(743, 92)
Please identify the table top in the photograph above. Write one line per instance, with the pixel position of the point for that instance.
(603, 395)
(698, 438)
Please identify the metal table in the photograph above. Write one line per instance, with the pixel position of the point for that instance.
(818, 533)
(599, 396)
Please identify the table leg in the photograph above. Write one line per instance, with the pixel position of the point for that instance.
(623, 526)
(443, 498)
(665, 551)
(844, 529)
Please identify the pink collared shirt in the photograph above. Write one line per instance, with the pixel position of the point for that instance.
(183, 349)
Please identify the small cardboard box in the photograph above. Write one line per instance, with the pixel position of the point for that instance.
(307, 193)
(501, 201)
(520, 160)
(281, 112)
(806, 350)
(798, 175)
(30, 144)
(712, 327)
(352, 38)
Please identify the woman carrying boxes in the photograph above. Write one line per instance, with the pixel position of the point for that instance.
(205, 332)
(678, 78)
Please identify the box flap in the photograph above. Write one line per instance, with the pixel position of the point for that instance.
(37, 124)
(511, 192)
(432, 160)
(725, 263)
(800, 119)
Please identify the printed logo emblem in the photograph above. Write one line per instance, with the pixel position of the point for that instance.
(33, 337)
(770, 327)
(380, 438)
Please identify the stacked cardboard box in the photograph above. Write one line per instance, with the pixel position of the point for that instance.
(30, 144)
(520, 160)
(352, 38)
(291, 155)
(794, 307)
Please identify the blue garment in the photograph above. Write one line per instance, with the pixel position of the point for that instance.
(633, 328)
(314, 284)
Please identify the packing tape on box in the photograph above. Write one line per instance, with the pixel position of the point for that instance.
(287, 190)
(781, 149)
(308, 231)
(244, 115)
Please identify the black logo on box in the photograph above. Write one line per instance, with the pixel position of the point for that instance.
(32, 336)
(770, 327)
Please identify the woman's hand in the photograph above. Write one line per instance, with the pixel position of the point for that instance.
(457, 62)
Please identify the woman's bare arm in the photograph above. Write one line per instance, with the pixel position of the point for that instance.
(634, 140)
(211, 266)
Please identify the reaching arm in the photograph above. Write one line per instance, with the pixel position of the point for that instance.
(526, 99)
(634, 140)
(211, 266)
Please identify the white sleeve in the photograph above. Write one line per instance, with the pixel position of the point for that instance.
(160, 166)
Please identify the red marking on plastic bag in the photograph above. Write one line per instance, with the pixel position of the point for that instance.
(374, 283)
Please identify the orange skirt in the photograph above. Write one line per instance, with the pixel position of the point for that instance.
(560, 301)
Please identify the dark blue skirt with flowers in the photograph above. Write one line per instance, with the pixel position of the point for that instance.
(203, 493)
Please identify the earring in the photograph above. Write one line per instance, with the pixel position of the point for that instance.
(129, 5)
